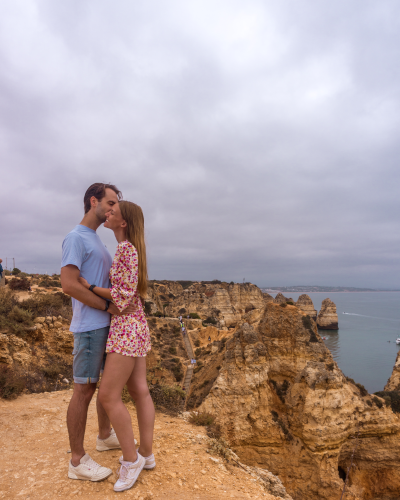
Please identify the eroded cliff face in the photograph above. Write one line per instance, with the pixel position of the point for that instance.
(305, 303)
(393, 384)
(284, 405)
(327, 318)
(225, 303)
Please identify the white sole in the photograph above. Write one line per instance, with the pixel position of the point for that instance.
(72, 475)
(149, 467)
(106, 448)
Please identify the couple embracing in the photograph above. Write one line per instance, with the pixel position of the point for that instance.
(110, 334)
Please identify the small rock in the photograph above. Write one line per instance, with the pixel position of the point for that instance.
(203, 472)
(214, 459)
(66, 381)
(111, 479)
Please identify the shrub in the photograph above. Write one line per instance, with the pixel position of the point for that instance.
(21, 284)
(391, 398)
(15, 271)
(363, 390)
(172, 350)
(194, 316)
(214, 431)
(158, 314)
(211, 320)
(197, 343)
(168, 397)
(197, 352)
(283, 304)
(201, 418)
(330, 366)
(57, 304)
(182, 311)
(11, 383)
(147, 307)
(290, 302)
(377, 401)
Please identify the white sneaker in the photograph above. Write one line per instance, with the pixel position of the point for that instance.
(88, 470)
(150, 461)
(111, 443)
(128, 474)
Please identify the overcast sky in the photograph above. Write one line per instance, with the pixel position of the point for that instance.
(261, 138)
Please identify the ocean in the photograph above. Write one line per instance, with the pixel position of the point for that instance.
(364, 347)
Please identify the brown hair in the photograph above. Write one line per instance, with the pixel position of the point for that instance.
(133, 216)
(98, 190)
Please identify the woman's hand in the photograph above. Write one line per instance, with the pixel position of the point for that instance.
(83, 282)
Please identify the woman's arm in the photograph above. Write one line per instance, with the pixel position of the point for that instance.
(101, 292)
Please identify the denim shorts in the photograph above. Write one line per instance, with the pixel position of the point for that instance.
(89, 355)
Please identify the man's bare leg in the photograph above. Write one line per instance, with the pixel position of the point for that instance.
(76, 419)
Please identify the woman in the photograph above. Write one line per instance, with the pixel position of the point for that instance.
(128, 343)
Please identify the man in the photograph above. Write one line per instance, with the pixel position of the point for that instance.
(1, 269)
(83, 254)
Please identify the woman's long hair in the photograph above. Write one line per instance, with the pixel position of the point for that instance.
(133, 216)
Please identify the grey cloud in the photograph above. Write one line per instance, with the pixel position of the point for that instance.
(260, 138)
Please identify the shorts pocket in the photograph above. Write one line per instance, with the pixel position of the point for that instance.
(77, 342)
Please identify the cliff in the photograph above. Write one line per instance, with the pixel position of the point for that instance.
(305, 303)
(327, 318)
(393, 384)
(223, 303)
(283, 404)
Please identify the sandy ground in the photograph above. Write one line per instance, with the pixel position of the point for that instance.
(34, 458)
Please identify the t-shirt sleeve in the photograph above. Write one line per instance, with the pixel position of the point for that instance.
(125, 277)
(73, 251)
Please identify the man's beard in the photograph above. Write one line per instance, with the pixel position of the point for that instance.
(101, 216)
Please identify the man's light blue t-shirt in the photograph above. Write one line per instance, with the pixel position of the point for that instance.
(84, 249)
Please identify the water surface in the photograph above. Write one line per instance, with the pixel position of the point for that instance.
(364, 346)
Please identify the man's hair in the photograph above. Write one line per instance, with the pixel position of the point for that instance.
(98, 190)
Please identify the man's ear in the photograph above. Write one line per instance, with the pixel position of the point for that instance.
(93, 201)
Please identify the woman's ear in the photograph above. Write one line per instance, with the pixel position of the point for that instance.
(124, 224)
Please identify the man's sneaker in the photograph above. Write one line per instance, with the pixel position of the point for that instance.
(150, 462)
(128, 474)
(111, 443)
(88, 470)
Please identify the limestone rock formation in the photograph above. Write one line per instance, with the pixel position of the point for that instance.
(305, 303)
(393, 384)
(280, 299)
(14, 350)
(327, 318)
(224, 303)
(267, 297)
(284, 405)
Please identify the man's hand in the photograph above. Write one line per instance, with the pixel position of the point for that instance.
(113, 309)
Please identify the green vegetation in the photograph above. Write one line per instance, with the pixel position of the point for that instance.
(194, 316)
(211, 320)
(201, 418)
(19, 284)
(392, 399)
(15, 271)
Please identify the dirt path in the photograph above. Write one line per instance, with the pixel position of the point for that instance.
(34, 458)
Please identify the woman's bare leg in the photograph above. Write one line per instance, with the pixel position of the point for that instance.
(138, 389)
(117, 371)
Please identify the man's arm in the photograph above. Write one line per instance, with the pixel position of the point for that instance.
(72, 287)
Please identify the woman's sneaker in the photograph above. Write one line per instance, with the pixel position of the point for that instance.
(150, 461)
(128, 474)
(111, 443)
(88, 470)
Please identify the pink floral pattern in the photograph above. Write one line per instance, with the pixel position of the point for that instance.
(129, 335)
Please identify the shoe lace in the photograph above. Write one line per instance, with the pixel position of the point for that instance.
(122, 472)
(92, 464)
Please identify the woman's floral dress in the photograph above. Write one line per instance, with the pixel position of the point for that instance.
(129, 335)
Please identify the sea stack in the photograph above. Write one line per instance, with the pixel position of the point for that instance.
(327, 318)
(281, 299)
(306, 305)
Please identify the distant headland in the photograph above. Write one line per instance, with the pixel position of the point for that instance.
(332, 289)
